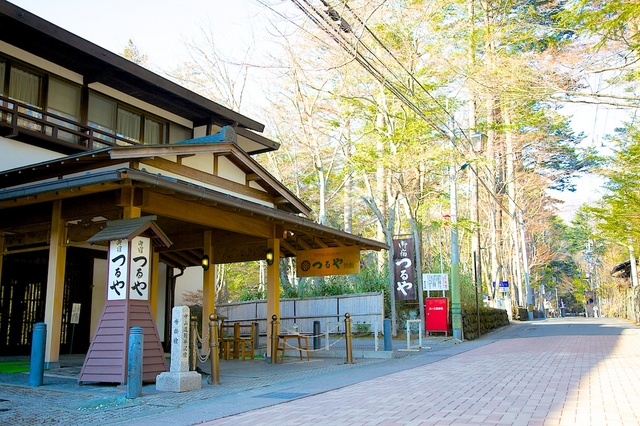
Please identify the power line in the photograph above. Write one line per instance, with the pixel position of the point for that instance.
(334, 24)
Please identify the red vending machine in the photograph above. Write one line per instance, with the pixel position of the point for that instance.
(436, 311)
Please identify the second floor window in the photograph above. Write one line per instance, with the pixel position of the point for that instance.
(25, 86)
(107, 115)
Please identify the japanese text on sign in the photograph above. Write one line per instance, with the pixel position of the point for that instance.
(139, 280)
(403, 269)
(328, 261)
(118, 269)
(432, 282)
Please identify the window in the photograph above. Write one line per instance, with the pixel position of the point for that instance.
(102, 115)
(127, 124)
(153, 132)
(63, 100)
(25, 87)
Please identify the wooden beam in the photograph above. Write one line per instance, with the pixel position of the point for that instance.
(207, 178)
(291, 249)
(59, 194)
(188, 211)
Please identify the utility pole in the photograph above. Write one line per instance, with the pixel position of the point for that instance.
(456, 309)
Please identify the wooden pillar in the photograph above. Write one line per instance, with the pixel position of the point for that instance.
(55, 286)
(208, 283)
(273, 287)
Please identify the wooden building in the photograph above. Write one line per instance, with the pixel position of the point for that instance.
(88, 137)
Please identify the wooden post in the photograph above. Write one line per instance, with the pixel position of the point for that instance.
(273, 288)
(208, 282)
(55, 286)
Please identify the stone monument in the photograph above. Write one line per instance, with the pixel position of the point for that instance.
(179, 378)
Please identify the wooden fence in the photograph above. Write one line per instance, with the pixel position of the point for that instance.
(364, 308)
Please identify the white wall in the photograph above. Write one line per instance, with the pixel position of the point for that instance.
(190, 281)
(14, 154)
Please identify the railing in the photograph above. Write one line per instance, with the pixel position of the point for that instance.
(26, 119)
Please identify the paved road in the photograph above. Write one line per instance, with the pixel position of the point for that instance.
(556, 371)
(572, 371)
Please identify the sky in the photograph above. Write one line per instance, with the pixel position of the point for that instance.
(158, 27)
(161, 28)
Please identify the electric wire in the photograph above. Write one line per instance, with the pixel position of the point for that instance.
(337, 33)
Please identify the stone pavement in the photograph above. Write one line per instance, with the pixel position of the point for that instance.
(555, 371)
(574, 371)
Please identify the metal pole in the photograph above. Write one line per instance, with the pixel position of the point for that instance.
(456, 310)
(214, 353)
(193, 359)
(475, 262)
(38, 343)
(134, 362)
(347, 337)
(275, 340)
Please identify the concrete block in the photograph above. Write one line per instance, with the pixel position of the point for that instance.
(178, 382)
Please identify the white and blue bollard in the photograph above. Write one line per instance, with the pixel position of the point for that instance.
(38, 340)
(134, 364)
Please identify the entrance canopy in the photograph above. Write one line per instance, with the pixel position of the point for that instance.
(192, 188)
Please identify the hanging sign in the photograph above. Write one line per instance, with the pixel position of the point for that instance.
(139, 278)
(404, 272)
(328, 261)
(118, 278)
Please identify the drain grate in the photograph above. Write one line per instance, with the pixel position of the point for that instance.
(283, 395)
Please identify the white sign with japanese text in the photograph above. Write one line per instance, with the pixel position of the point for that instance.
(140, 268)
(433, 282)
(117, 279)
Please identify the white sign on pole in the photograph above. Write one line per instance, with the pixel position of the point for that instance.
(75, 313)
(432, 282)
(118, 270)
(140, 267)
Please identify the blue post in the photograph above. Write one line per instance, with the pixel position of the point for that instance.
(134, 364)
(38, 341)
(316, 335)
(387, 334)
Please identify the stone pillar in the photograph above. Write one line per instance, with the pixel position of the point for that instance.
(179, 378)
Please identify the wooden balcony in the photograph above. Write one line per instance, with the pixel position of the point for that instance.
(26, 123)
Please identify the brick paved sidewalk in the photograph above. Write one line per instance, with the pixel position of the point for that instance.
(555, 372)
